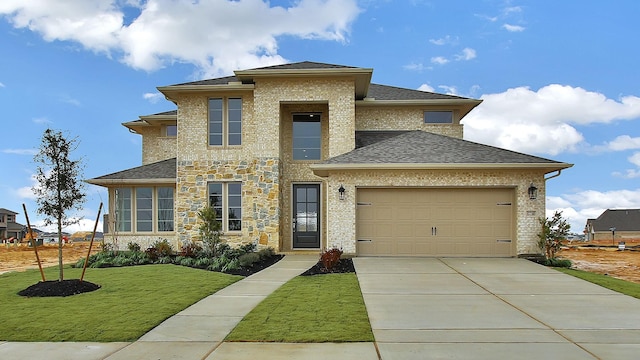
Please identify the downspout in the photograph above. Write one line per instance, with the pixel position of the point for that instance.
(553, 176)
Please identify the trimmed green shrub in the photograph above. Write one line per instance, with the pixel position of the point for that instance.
(248, 259)
(133, 246)
(555, 262)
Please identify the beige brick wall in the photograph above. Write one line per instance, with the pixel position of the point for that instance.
(342, 214)
(404, 118)
(156, 147)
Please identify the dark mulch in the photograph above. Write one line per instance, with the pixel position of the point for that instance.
(343, 266)
(59, 288)
(257, 266)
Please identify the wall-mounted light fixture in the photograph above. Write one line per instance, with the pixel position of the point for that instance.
(533, 192)
(341, 191)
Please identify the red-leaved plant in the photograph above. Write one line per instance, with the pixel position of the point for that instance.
(330, 258)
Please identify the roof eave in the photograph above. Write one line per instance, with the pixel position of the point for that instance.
(465, 104)
(323, 170)
(112, 182)
(170, 92)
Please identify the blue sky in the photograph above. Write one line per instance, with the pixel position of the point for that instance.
(559, 79)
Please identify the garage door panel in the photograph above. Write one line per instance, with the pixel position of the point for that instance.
(437, 222)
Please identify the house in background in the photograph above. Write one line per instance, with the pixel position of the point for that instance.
(309, 156)
(615, 226)
(10, 230)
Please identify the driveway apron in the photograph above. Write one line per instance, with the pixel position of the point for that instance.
(477, 308)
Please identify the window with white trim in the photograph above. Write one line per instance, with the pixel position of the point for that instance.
(226, 200)
(225, 121)
(149, 208)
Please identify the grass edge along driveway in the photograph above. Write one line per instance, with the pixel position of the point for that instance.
(611, 283)
(320, 308)
(132, 301)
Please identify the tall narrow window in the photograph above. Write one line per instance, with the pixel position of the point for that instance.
(226, 200)
(144, 209)
(165, 209)
(215, 122)
(307, 137)
(225, 121)
(123, 209)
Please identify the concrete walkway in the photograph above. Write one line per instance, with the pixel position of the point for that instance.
(419, 308)
(455, 308)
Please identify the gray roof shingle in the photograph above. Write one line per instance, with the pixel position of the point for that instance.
(165, 169)
(420, 147)
(385, 92)
(621, 219)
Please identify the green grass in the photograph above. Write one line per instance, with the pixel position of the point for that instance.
(322, 308)
(621, 286)
(132, 301)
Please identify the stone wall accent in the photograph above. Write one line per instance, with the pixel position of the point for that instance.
(260, 198)
(342, 214)
(404, 118)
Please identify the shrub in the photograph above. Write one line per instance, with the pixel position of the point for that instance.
(190, 249)
(232, 264)
(266, 253)
(554, 231)
(159, 249)
(202, 263)
(165, 260)
(555, 262)
(133, 246)
(187, 261)
(209, 230)
(330, 258)
(248, 259)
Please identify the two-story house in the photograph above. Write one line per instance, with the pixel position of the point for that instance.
(310, 156)
(9, 228)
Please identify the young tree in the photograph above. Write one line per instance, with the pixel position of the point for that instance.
(554, 231)
(59, 187)
(209, 230)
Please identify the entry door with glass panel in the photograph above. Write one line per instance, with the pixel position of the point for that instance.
(306, 216)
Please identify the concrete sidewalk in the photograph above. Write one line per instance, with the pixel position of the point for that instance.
(493, 309)
(419, 308)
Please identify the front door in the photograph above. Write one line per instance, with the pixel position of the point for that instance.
(306, 216)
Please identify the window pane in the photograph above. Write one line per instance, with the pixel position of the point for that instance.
(215, 121)
(123, 209)
(235, 127)
(235, 139)
(234, 211)
(438, 117)
(144, 209)
(307, 139)
(165, 209)
(234, 121)
(171, 130)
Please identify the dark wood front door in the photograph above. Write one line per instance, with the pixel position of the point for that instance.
(306, 216)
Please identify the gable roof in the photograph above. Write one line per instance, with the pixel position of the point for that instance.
(161, 172)
(7, 211)
(423, 150)
(621, 219)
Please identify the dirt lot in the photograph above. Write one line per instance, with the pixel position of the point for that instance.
(606, 259)
(19, 258)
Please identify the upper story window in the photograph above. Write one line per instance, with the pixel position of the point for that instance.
(225, 121)
(170, 130)
(438, 117)
(307, 137)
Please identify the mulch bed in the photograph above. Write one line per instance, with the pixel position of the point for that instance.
(343, 266)
(59, 288)
(257, 266)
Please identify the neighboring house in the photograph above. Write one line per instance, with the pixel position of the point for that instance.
(9, 228)
(614, 225)
(310, 156)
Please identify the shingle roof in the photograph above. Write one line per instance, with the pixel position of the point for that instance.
(420, 147)
(7, 211)
(368, 137)
(385, 92)
(621, 219)
(305, 65)
(165, 169)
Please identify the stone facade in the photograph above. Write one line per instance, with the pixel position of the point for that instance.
(155, 146)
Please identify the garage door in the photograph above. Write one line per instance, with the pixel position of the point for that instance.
(435, 222)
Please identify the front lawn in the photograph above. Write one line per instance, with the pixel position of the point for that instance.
(621, 286)
(321, 308)
(132, 301)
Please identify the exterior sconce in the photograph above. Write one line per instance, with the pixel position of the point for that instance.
(341, 191)
(533, 192)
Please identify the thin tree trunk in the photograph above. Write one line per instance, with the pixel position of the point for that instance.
(60, 249)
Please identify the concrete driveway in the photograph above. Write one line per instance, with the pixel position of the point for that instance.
(462, 308)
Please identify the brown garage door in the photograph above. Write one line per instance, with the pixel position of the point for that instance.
(435, 222)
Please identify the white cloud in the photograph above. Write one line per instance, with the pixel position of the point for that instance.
(543, 121)
(631, 173)
(414, 67)
(426, 87)
(467, 54)
(41, 121)
(449, 90)
(153, 97)
(513, 28)
(69, 100)
(589, 204)
(445, 40)
(623, 142)
(20, 151)
(439, 60)
(635, 159)
(218, 37)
